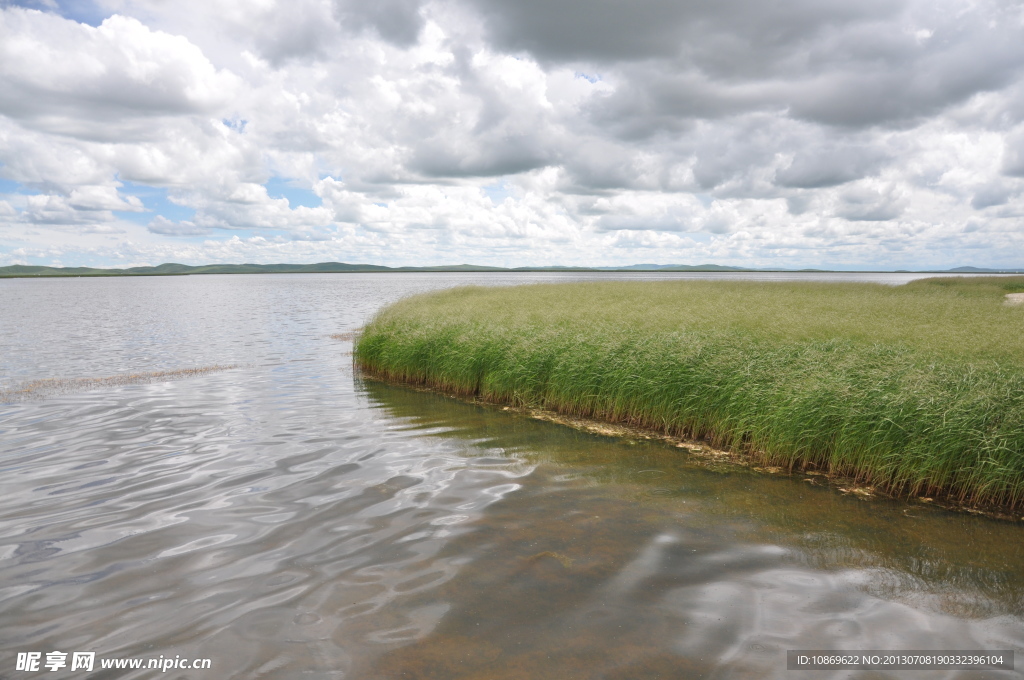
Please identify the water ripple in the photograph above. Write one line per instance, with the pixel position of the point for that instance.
(286, 520)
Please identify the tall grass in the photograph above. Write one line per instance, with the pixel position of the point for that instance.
(916, 388)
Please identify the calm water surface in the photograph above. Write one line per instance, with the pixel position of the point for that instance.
(287, 520)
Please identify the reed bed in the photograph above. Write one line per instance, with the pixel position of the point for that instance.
(915, 389)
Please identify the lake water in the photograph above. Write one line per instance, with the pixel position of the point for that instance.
(285, 519)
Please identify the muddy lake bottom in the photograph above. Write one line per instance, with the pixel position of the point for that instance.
(285, 518)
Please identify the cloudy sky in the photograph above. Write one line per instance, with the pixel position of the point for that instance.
(879, 134)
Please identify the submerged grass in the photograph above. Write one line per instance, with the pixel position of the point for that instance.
(918, 389)
(45, 387)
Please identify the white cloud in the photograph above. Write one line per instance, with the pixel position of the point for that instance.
(528, 132)
(867, 204)
(162, 225)
(102, 198)
(61, 76)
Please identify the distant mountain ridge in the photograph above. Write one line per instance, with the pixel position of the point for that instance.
(981, 270)
(174, 269)
(675, 268)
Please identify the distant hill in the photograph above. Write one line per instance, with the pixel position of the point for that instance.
(979, 270)
(676, 268)
(641, 268)
(174, 269)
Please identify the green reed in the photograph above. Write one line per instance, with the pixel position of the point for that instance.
(918, 388)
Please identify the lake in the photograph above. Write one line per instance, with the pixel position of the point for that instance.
(283, 518)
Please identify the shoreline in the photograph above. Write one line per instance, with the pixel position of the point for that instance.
(175, 269)
(706, 453)
(909, 391)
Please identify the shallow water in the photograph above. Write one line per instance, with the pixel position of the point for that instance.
(286, 519)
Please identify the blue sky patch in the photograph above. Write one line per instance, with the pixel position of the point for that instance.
(497, 192)
(236, 124)
(278, 187)
(156, 201)
(82, 11)
(9, 186)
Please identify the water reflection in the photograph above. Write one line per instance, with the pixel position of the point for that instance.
(286, 521)
(631, 560)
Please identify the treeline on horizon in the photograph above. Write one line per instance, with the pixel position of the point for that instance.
(173, 269)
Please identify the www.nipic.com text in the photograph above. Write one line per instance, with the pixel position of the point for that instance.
(86, 661)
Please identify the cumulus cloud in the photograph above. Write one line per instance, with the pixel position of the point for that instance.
(102, 198)
(54, 209)
(995, 194)
(162, 225)
(62, 76)
(799, 133)
(725, 35)
(397, 21)
(838, 63)
(829, 163)
(1013, 154)
(868, 204)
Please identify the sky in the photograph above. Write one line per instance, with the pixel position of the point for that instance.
(853, 134)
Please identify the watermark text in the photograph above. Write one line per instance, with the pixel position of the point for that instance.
(31, 662)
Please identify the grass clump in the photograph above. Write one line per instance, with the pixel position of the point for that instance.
(918, 389)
